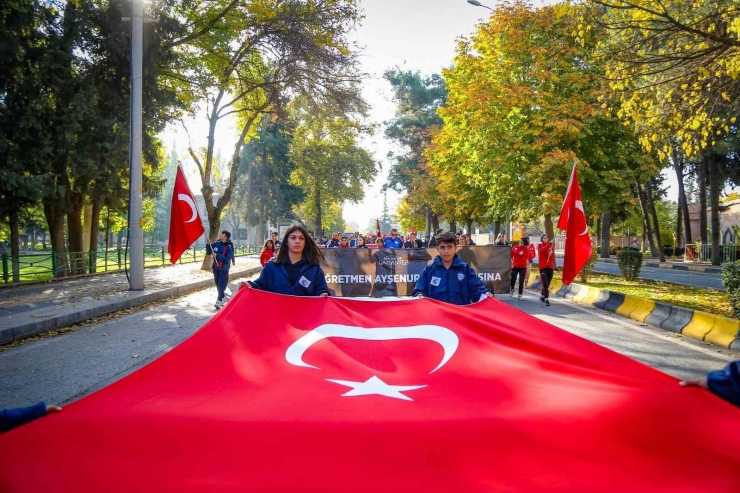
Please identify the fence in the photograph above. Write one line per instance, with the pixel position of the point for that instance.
(727, 253)
(38, 267)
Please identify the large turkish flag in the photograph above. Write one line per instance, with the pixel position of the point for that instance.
(287, 394)
(185, 223)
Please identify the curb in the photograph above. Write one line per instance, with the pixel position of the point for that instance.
(707, 327)
(671, 266)
(123, 302)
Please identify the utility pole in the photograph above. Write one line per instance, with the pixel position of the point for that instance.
(135, 218)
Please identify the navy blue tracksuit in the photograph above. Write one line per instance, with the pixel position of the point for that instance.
(224, 255)
(459, 284)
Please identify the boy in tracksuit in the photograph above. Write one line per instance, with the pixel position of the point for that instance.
(519, 258)
(448, 278)
(223, 255)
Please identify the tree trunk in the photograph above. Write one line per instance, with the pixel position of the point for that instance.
(55, 220)
(647, 229)
(701, 168)
(43, 239)
(453, 226)
(715, 188)
(469, 226)
(496, 228)
(549, 227)
(86, 225)
(679, 225)
(261, 225)
(97, 206)
(428, 221)
(435, 222)
(606, 225)
(74, 227)
(678, 165)
(318, 219)
(598, 231)
(649, 193)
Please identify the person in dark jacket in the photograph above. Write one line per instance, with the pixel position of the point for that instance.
(433, 240)
(724, 383)
(11, 418)
(296, 269)
(223, 254)
(411, 242)
(450, 279)
(393, 241)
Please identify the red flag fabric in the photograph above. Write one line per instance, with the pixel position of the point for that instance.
(185, 223)
(578, 246)
(337, 394)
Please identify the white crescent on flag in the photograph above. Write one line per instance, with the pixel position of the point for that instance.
(189, 201)
(441, 335)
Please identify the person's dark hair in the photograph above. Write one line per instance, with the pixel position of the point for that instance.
(439, 232)
(271, 243)
(311, 252)
(273, 233)
(344, 238)
(228, 235)
(378, 241)
(542, 238)
(525, 240)
(363, 241)
(447, 237)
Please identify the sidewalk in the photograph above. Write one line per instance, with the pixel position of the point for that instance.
(32, 309)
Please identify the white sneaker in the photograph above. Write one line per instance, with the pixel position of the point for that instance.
(511, 293)
(519, 297)
(218, 304)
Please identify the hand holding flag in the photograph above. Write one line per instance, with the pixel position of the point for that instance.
(578, 247)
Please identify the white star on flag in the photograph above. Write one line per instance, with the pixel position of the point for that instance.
(375, 386)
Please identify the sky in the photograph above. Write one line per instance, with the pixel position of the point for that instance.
(410, 34)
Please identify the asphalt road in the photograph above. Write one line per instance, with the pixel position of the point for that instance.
(698, 279)
(67, 367)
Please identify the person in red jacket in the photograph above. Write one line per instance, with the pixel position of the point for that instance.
(519, 259)
(546, 261)
(268, 252)
(531, 254)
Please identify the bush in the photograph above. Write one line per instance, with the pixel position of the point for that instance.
(614, 249)
(588, 269)
(630, 263)
(670, 251)
(731, 282)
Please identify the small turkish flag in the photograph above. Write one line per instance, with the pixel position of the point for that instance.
(377, 226)
(578, 247)
(185, 223)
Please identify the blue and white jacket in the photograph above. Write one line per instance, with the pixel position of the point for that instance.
(274, 278)
(459, 284)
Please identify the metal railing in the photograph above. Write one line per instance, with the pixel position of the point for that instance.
(727, 253)
(52, 265)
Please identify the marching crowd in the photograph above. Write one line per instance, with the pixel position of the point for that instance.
(292, 267)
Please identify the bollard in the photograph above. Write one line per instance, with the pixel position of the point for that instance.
(162, 255)
(90, 257)
(119, 259)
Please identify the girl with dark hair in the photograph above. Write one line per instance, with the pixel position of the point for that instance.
(268, 252)
(361, 242)
(296, 269)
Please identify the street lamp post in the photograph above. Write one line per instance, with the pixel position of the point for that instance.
(135, 218)
(478, 4)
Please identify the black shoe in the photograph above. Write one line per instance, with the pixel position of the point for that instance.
(547, 302)
(542, 299)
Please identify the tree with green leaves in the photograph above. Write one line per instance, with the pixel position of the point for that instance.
(244, 56)
(331, 166)
(417, 100)
(524, 105)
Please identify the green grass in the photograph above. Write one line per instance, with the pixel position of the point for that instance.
(703, 299)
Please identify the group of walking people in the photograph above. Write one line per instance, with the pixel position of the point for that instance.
(522, 258)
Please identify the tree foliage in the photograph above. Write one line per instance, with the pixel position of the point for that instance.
(674, 65)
